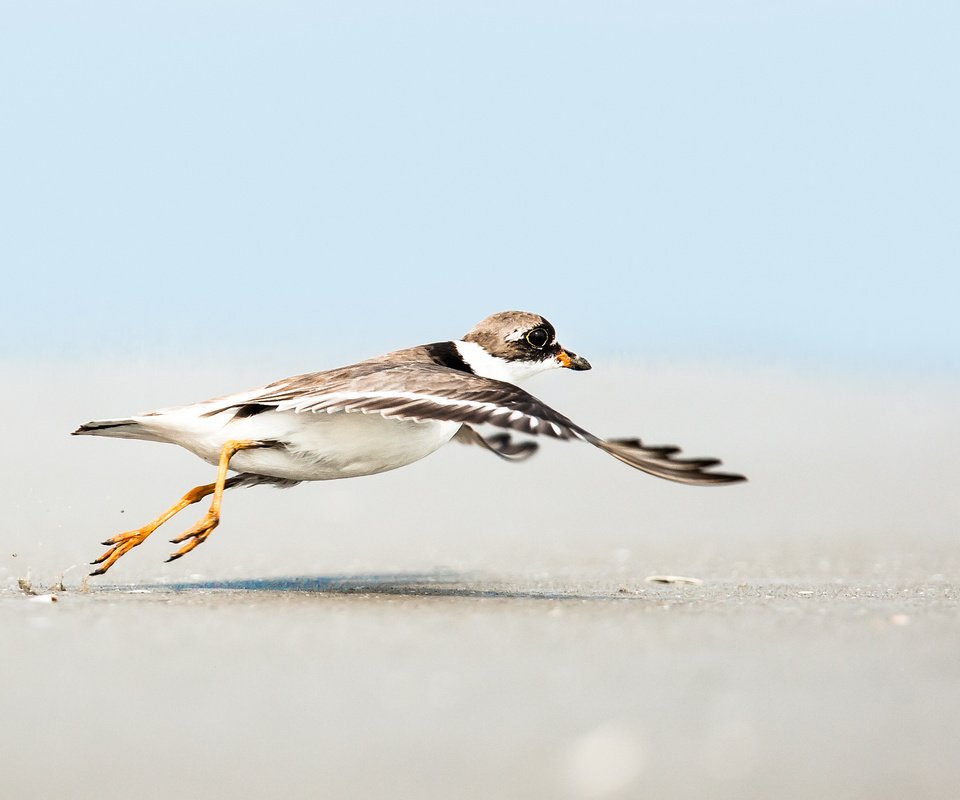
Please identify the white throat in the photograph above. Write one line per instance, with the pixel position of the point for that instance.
(499, 369)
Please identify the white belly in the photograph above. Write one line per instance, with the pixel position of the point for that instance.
(316, 447)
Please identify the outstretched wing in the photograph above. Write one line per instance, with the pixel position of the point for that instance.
(421, 392)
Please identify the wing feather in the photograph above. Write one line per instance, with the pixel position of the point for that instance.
(501, 444)
(424, 392)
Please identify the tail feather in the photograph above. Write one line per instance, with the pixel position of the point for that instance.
(117, 429)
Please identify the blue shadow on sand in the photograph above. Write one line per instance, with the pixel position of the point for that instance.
(431, 584)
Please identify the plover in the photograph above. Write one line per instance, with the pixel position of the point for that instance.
(378, 415)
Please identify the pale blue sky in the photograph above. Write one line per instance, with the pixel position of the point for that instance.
(772, 182)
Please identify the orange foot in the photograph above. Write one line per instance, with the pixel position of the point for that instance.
(196, 535)
(125, 542)
(119, 545)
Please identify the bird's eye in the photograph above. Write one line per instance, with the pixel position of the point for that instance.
(537, 338)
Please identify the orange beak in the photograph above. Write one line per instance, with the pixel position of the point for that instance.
(569, 360)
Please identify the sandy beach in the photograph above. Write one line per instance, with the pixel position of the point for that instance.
(466, 628)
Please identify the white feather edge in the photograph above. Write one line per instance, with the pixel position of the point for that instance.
(334, 402)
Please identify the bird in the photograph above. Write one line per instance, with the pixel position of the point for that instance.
(378, 415)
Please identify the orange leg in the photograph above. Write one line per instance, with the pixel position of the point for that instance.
(124, 542)
(198, 533)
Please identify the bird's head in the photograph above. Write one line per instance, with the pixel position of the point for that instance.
(513, 345)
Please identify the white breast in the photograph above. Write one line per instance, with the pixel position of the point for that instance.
(318, 446)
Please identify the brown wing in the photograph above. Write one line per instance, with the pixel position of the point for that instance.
(421, 392)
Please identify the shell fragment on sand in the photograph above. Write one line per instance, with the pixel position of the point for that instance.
(673, 579)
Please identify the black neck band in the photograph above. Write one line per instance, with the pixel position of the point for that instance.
(447, 355)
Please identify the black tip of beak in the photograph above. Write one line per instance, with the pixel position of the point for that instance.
(576, 362)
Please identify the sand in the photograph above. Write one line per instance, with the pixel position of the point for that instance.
(464, 628)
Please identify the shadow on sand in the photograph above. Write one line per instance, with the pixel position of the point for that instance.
(433, 584)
